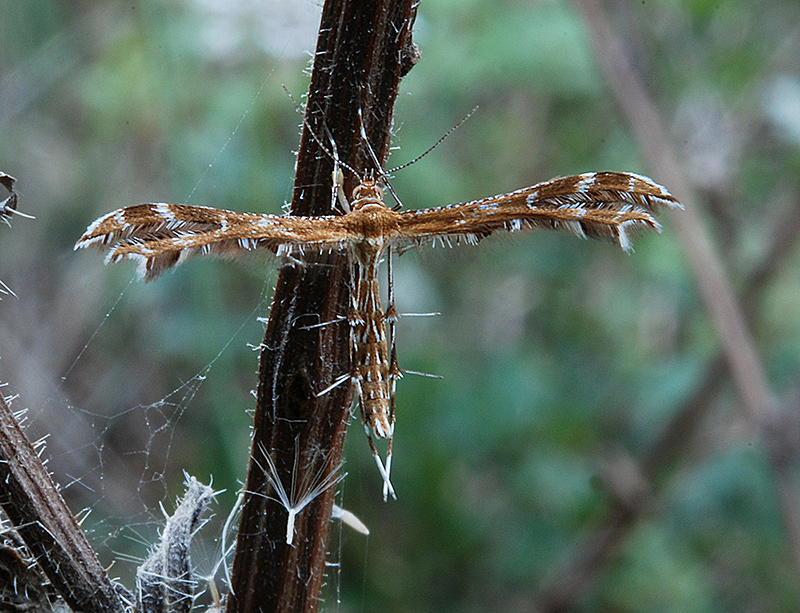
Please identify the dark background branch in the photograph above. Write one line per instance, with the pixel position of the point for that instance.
(737, 360)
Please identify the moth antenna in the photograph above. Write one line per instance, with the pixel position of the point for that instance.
(436, 144)
(379, 168)
(331, 155)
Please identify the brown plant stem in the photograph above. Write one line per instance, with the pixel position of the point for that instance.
(363, 50)
(39, 514)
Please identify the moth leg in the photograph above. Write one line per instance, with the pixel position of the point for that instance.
(388, 488)
(394, 375)
(391, 321)
(394, 369)
(338, 197)
(387, 484)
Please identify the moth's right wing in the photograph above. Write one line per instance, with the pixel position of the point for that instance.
(609, 205)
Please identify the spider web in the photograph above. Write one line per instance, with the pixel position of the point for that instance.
(123, 463)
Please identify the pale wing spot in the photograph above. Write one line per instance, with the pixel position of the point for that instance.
(624, 241)
(586, 181)
(165, 210)
(119, 217)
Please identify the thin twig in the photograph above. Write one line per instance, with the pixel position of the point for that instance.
(601, 544)
(728, 315)
(745, 365)
(709, 272)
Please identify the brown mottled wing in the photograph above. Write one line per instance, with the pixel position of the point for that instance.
(597, 205)
(160, 236)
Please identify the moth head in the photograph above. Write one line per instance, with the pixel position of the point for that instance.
(368, 190)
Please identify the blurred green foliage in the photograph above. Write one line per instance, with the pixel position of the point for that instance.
(557, 355)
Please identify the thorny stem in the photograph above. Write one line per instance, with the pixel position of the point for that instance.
(364, 49)
(32, 502)
(38, 512)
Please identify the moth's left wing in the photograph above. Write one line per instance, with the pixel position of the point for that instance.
(160, 236)
(607, 205)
